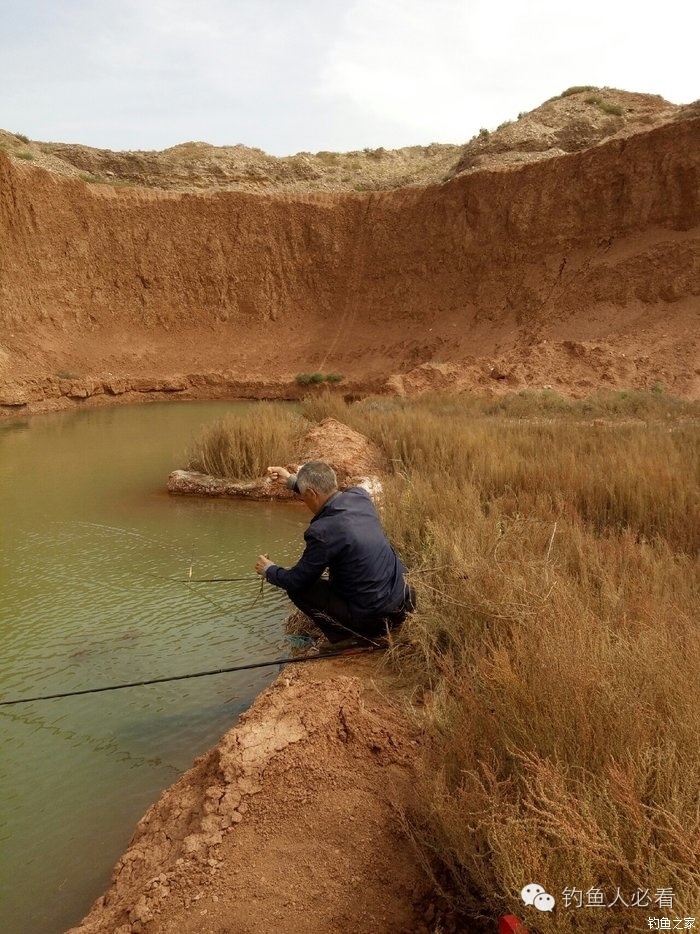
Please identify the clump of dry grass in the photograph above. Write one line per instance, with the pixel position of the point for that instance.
(242, 446)
(557, 634)
(327, 405)
(530, 404)
(632, 476)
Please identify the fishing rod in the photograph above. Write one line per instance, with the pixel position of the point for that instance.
(251, 579)
(355, 650)
(214, 580)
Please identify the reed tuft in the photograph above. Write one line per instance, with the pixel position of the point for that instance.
(242, 446)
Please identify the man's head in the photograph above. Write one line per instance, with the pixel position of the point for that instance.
(316, 481)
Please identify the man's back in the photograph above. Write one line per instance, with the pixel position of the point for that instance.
(346, 537)
(363, 567)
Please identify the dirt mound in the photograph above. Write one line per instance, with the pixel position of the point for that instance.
(355, 459)
(353, 456)
(575, 120)
(290, 823)
(198, 166)
(574, 368)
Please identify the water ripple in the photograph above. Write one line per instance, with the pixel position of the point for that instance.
(92, 564)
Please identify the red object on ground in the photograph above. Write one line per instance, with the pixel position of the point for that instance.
(509, 924)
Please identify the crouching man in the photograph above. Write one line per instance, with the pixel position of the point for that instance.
(366, 591)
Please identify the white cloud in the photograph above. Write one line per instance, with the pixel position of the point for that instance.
(447, 67)
(288, 75)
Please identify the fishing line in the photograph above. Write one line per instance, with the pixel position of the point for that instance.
(197, 674)
(178, 552)
(221, 610)
(101, 744)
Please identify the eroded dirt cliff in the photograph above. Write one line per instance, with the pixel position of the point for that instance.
(575, 272)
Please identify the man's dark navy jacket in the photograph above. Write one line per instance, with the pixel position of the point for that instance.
(346, 537)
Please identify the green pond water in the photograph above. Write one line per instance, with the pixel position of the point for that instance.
(88, 538)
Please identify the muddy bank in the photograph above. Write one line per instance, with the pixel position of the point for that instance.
(292, 822)
(575, 368)
(30, 395)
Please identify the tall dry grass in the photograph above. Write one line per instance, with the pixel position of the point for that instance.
(243, 446)
(559, 640)
(641, 475)
(528, 403)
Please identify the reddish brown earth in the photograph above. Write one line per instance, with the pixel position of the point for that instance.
(577, 271)
(292, 822)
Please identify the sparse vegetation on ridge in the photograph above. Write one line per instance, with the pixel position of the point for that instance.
(615, 109)
(198, 166)
(608, 108)
(577, 89)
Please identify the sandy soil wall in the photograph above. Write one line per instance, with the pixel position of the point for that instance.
(601, 245)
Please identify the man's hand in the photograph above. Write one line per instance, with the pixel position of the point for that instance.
(262, 564)
(278, 473)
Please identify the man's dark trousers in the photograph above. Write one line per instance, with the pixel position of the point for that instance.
(335, 620)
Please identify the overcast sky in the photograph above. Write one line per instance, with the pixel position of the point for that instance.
(294, 75)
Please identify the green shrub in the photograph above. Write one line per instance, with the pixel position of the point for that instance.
(607, 108)
(577, 89)
(24, 155)
(22, 137)
(306, 379)
(614, 109)
(484, 132)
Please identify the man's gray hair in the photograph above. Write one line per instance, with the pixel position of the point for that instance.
(318, 476)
